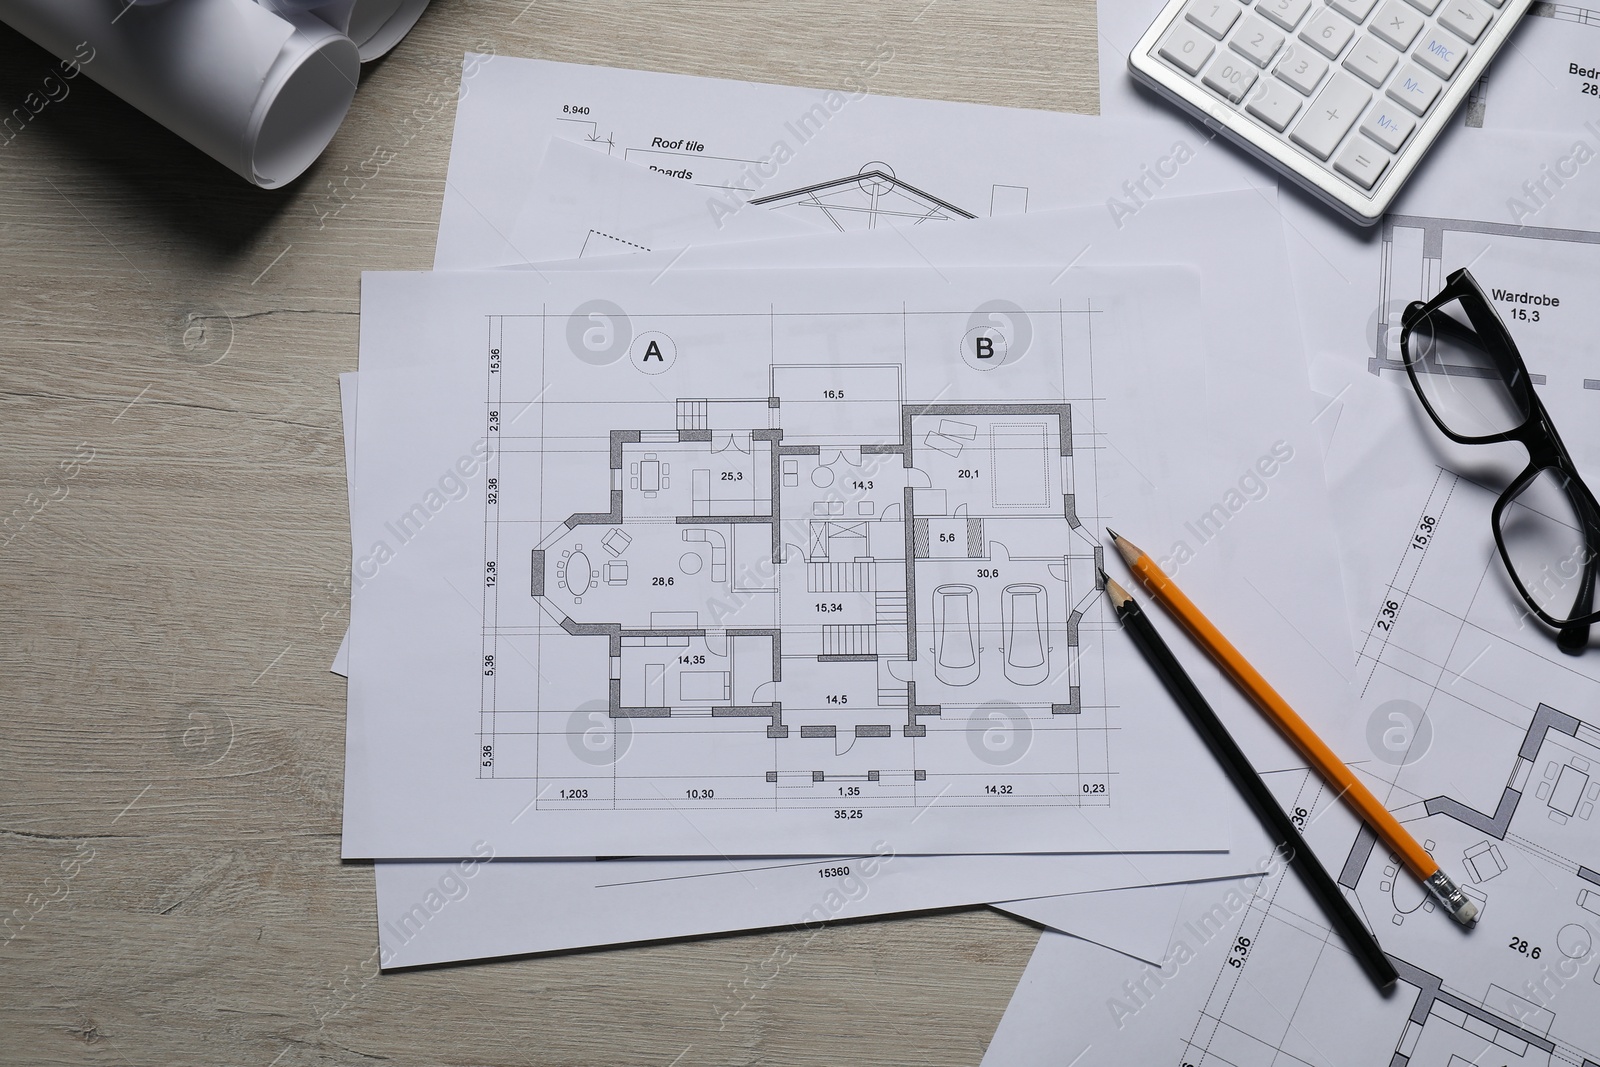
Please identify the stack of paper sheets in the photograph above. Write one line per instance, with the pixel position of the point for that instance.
(726, 511)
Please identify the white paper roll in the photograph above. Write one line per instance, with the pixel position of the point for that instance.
(261, 92)
(375, 26)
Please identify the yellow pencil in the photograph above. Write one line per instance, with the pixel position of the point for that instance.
(1312, 747)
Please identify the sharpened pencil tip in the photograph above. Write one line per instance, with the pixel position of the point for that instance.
(1125, 548)
(1118, 595)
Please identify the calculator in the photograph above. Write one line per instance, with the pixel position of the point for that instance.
(1343, 96)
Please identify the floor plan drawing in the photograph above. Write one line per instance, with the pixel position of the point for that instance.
(844, 606)
(1540, 914)
(778, 562)
(1527, 265)
(1500, 787)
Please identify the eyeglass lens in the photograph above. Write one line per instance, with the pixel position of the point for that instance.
(1545, 545)
(1474, 389)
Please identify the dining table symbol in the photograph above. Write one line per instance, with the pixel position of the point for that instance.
(1568, 789)
(649, 475)
(575, 573)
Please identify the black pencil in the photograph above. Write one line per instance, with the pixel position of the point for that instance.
(1245, 778)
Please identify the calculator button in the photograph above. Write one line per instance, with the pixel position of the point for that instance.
(1327, 33)
(1414, 90)
(1286, 13)
(1371, 60)
(1256, 41)
(1230, 77)
(1354, 10)
(1187, 48)
(1216, 17)
(1388, 125)
(1465, 18)
(1274, 104)
(1427, 7)
(1440, 53)
(1398, 24)
(1331, 116)
(1303, 69)
(1362, 162)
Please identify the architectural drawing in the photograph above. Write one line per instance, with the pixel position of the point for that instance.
(871, 198)
(849, 594)
(1503, 792)
(1540, 904)
(1418, 253)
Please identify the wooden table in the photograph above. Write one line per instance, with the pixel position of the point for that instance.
(175, 581)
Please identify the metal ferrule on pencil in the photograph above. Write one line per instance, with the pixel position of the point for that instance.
(1445, 890)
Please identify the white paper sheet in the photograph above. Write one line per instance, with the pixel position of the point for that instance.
(1238, 238)
(443, 912)
(348, 391)
(1546, 79)
(856, 161)
(544, 906)
(1136, 921)
(584, 204)
(259, 91)
(843, 700)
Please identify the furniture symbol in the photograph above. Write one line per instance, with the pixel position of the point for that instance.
(575, 574)
(650, 475)
(791, 473)
(719, 550)
(1564, 795)
(617, 572)
(1484, 861)
(616, 542)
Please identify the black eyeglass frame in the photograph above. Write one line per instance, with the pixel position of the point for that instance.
(1536, 433)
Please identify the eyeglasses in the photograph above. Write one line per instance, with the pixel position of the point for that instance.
(1472, 381)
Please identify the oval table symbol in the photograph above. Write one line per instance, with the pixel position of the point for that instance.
(580, 579)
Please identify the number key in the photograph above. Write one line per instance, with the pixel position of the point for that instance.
(1286, 13)
(1216, 17)
(1256, 41)
(1187, 49)
(1230, 78)
(1327, 33)
(1303, 69)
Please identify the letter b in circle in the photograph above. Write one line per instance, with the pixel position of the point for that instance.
(998, 334)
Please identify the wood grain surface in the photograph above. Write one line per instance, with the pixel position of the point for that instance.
(174, 582)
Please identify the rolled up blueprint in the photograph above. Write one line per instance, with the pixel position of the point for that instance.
(374, 25)
(260, 91)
